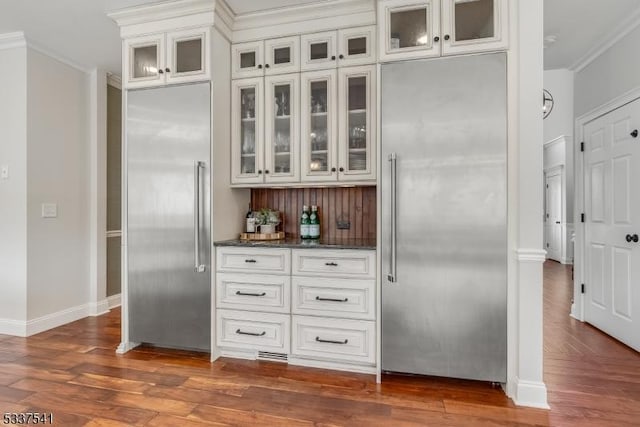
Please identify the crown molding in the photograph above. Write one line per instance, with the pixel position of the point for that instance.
(312, 17)
(115, 81)
(223, 19)
(12, 40)
(159, 11)
(630, 23)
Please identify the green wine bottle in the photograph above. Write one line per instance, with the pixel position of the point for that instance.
(304, 223)
(314, 223)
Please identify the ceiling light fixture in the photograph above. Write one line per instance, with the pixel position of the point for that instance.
(547, 103)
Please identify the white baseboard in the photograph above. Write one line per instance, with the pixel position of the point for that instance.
(530, 393)
(16, 328)
(114, 301)
(336, 366)
(59, 318)
(98, 308)
(566, 261)
(126, 346)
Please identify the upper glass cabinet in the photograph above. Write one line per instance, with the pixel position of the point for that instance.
(318, 51)
(164, 58)
(409, 29)
(266, 58)
(247, 128)
(474, 25)
(419, 29)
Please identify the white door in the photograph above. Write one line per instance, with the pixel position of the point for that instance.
(553, 216)
(612, 224)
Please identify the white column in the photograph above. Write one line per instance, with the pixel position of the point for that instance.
(98, 193)
(527, 387)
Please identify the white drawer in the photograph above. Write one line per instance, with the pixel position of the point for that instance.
(316, 296)
(255, 331)
(258, 292)
(253, 260)
(334, 263)
(337, 339)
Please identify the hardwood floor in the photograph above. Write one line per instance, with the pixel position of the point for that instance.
(73, 372)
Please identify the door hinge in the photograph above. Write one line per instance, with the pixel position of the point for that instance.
(582, 146)
(582, 288)
(581, 217)
(547, 245)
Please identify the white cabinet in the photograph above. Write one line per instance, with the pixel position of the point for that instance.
(265, 129)
(337, 128)
(331, 49)
(313, 307)
(420, 29)
(265, 58)
(167, 58)
(252, 300)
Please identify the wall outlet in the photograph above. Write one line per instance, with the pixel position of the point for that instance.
(343, 225)
(49, 210)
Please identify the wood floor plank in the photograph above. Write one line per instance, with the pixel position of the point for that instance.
(162, 420)
(63, 389)
(110, 383)
(160, 405)
(239, 417)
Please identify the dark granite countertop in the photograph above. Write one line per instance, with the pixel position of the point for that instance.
(297, 243)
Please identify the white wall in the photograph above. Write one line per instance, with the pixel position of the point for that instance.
(560, 122)
(57, 158)
(13, 191)
(612, 74)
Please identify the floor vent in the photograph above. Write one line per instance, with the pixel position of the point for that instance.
(277, 357)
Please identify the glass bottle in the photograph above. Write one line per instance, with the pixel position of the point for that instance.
(251, 221)
(314, 223)
(304, 223)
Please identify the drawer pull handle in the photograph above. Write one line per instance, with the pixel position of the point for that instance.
(331, 264)
(249, 294)
(332, 341)
(253, 334)
(331, 299)
(250, 260)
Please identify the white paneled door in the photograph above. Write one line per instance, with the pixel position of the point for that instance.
(612, 224)
(553, 216)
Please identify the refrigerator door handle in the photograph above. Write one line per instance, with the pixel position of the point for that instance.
(391, 277)
(197, 166)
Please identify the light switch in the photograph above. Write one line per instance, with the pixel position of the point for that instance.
(49, 210)
(4, 172)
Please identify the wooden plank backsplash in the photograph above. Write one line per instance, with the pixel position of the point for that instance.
(354, 204)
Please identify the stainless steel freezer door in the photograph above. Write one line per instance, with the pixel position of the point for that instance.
(168, 131)
(446, 121)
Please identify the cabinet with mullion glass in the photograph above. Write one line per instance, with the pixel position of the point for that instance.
(318, 134)
(247, 131)
(356, 123)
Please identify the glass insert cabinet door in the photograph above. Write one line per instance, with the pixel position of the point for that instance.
(410, 29)
(282, 55)
(318, 50)
(477, 25)
(247, 131)
(319, 126)
(187, 54)
(247, 59)
(357, 102)
(144, 61)
(357, 46)
(282, 128)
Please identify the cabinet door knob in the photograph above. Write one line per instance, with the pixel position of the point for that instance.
(333, 58)
(341, 56)
(167, 70)
(341, 169)
(266, 65)
(634, 133)
(333, 169)
(266, 171)
(259, 65)
(633, 238)
(259, 171)
(436, 39)
(447, 37)
(160, 71)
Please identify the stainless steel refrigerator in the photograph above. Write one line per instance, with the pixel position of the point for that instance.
(444, 222)
(168, 216)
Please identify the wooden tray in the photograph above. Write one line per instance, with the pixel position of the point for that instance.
(279, 235)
